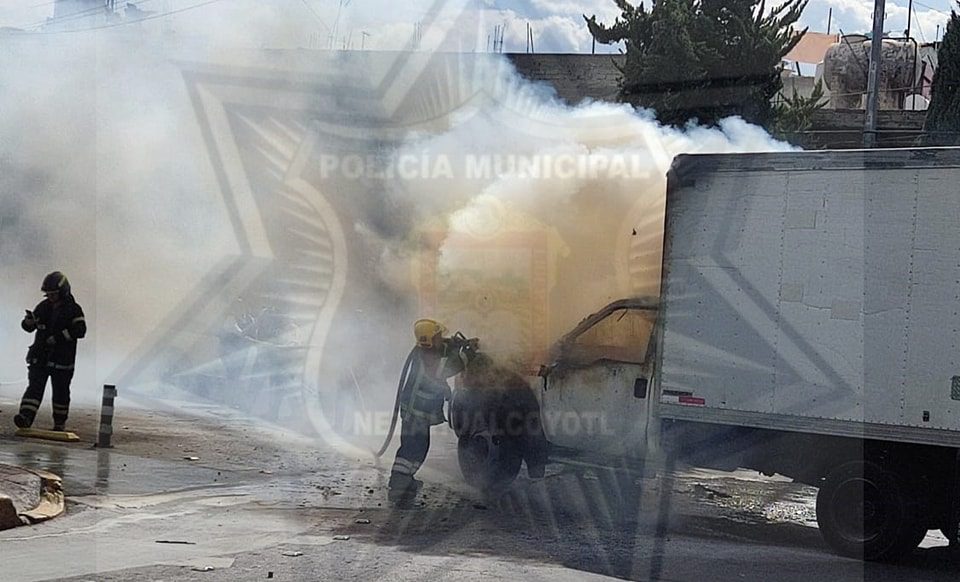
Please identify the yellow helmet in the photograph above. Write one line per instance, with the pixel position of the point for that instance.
(427, 329)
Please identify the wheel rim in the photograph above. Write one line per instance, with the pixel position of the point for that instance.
(859, 511)
(477, 456)
(487, 460)
(479, 449)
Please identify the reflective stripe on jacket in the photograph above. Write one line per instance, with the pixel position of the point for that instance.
(426, 387)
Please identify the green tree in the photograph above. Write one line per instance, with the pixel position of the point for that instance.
(702, 59)
(794, 114)
(942, 126)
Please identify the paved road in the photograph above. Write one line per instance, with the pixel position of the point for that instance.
(240, 518)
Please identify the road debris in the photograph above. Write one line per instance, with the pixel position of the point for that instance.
(362, 521)
(176, 542)
(326, 491)
(311, 540)
(203, 568)
(291, 554)
(341, 538)
(192, 458)
(710, 493)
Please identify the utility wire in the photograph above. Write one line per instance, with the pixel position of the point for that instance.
(41, 4)
(315, 15)
(78, 15)
(928, 7)
(923, 38)
(126, 22)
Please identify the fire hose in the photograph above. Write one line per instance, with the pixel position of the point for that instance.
(396, 404)
(460, 343)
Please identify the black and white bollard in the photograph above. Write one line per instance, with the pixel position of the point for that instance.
(106, 416)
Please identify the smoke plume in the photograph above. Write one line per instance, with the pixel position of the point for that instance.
(460, 192)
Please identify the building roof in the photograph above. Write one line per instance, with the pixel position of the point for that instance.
(812, 47)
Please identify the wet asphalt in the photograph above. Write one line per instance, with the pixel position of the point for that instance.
(324, 516)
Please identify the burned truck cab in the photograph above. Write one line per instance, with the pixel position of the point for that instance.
(595, 395)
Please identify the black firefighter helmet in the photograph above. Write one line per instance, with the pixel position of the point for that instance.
(54, 282)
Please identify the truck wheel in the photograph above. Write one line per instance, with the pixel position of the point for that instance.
(867, 512)
(488, 462)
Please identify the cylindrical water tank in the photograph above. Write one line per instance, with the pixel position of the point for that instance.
(845, 67)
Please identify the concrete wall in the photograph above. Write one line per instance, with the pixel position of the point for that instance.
(803, 86)
(575, 78)
(843, 129)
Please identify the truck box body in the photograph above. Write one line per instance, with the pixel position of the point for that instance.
(814, 292)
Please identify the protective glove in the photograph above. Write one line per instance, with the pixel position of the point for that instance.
(52, 340)
(29, 323)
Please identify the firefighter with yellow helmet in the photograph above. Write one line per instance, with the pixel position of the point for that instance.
(435, 359)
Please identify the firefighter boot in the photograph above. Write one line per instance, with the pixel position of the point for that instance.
(403, 490)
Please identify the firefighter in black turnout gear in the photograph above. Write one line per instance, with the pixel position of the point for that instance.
(58, 322)
(435, 359)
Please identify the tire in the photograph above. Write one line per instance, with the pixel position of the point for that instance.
(488, 462)
(867, 512)
(462, 413)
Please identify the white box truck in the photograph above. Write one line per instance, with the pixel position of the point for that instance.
(808, 325)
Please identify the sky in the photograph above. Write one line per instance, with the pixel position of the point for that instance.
(557, 25)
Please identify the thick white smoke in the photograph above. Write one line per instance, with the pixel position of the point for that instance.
(473, 196)
(102, 177)
(541, 213)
